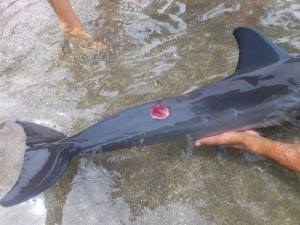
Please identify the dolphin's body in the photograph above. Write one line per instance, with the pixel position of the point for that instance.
(263, 91)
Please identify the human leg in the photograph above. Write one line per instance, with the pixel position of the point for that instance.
(69, 22)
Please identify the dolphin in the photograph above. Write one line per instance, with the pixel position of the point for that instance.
(262, 91)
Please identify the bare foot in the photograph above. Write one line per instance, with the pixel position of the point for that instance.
(133, 1)
(74, 32)
(86, 41)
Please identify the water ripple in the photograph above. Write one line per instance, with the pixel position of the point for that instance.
(284, 14)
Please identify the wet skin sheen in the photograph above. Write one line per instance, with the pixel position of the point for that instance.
(263, 91)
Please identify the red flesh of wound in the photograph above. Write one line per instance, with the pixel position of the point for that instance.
(159, 112)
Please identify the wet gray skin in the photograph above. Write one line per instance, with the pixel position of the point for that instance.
(157, 49)
(263, 91)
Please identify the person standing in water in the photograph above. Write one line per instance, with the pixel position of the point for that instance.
(69, 22)
(287, 155)
(73, 28)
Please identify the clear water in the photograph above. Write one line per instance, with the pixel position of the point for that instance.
(156, 49)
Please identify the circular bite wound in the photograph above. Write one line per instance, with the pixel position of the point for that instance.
(159, 112)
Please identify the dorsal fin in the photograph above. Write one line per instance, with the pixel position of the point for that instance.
(256, 50)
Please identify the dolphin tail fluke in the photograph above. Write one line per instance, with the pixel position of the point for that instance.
(38, 134)
(43, 164)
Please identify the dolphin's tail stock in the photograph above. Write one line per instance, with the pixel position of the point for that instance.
(45, 161)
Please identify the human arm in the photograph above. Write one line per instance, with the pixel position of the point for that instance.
(287, 155)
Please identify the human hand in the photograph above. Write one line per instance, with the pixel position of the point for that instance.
(287, 155)
(238, 140)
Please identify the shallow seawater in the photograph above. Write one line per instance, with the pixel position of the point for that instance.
(156, 49)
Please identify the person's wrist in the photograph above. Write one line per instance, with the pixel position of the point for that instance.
(251, 143)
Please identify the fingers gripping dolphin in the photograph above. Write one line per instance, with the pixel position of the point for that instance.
(263, 91)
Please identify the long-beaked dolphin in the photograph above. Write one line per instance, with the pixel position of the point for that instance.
(263, 91)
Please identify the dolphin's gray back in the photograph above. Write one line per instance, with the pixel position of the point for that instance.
(256, 94)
